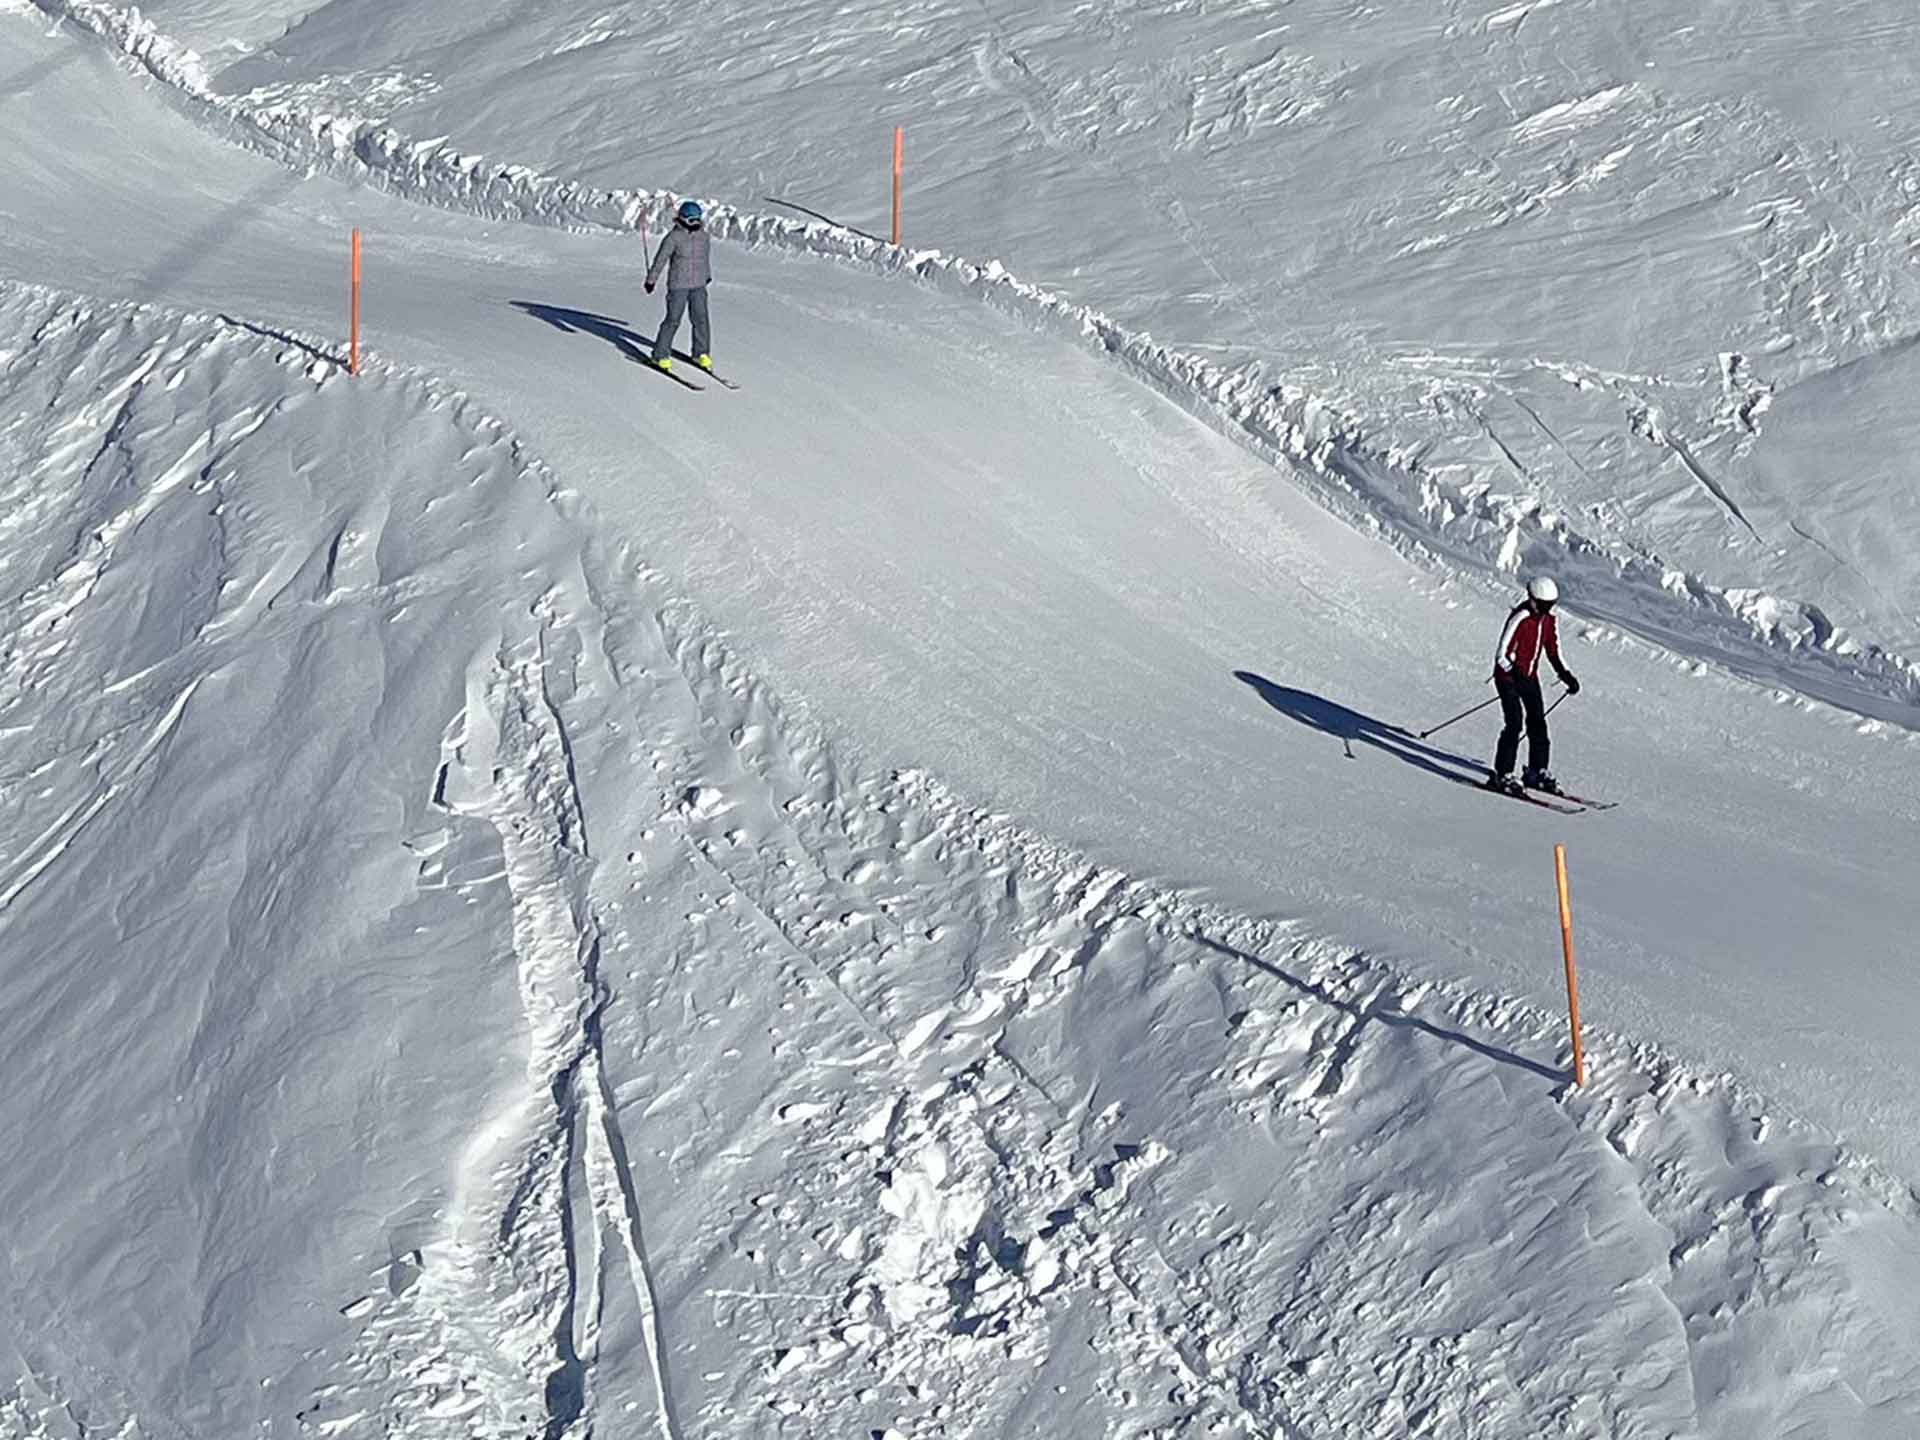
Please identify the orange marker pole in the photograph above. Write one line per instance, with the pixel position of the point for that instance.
(1573, 980)
(899, 154)
(353, 322)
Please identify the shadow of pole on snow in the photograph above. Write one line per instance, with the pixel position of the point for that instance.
(824, 219)
(1395, 1019)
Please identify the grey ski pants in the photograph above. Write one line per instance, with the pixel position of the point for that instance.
(679, 303)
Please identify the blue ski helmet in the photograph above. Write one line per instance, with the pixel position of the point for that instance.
(690, 212)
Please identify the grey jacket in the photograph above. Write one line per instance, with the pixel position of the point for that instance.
(684, 255)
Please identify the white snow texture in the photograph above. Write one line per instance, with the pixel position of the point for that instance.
(906, 899)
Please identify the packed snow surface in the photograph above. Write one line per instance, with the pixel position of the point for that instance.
(1649, 269)
(892, 901)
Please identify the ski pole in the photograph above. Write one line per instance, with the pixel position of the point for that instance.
(1461, 716)
(1558, 701)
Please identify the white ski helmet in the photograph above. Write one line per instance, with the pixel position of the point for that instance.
(1543, 589)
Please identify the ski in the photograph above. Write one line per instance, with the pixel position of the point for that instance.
(710, 374)
(1526, 797)
(1591, 804)
(670, 375)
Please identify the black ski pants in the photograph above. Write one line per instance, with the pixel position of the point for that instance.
(1521, 703)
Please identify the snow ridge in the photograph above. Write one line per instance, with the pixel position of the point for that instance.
(1472, 527)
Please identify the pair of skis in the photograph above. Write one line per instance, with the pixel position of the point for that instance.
(682, 380)
(1563, 803)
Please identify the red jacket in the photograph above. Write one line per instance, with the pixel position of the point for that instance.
(1527, 633)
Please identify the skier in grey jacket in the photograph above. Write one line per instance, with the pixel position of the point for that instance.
(683, 255)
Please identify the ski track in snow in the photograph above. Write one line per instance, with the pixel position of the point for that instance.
(514, 769)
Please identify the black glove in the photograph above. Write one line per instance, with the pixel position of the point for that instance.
(649, 287)
(1571, 681)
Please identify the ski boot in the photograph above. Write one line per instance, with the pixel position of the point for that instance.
(1540, 780)
(705, 362)
(665, 362)
(1502, 784)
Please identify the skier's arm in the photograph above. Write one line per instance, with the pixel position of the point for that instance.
(1503, 652)
(661, 257)
(1553, 654)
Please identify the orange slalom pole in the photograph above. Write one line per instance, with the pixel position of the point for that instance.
(1573, 980)
(899, 154)
(353, 322)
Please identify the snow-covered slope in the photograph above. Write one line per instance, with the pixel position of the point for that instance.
(1623, 273)
(1074, 660)
(239, 922)
(423, 914)
(1408, 488)
(464, 995)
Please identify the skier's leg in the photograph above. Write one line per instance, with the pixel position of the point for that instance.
(1539, 749)
(1514, 717)
(702, 331)
(669, 327)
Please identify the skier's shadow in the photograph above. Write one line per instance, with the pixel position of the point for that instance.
(1347, 726)
(616, 332)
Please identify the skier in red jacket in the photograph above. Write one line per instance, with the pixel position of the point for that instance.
(1530, 630)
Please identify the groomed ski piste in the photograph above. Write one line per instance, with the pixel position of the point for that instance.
(900, 900)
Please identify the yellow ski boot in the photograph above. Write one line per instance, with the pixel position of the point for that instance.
(705, 362)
